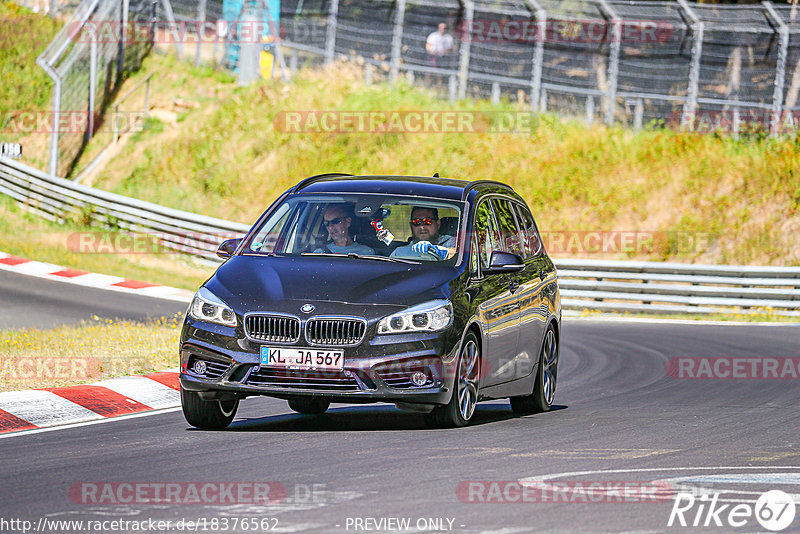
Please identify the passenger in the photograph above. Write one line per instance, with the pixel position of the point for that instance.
(426, 241)
(337, 220)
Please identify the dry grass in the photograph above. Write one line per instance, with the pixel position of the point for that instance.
(91, 351)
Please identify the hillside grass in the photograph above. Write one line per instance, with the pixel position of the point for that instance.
(222, 155)
(25, 86)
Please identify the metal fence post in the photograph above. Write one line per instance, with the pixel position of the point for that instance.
(397, 39)
(330, 38)
(171, 19)
(538, 52)
(698, 28)
(123, 38)
(463, 70)
(613, 60)
(780, 67)
(200, 25)
(54, 134)
(92, 87)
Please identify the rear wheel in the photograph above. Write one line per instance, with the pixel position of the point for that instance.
(544, 386)
(205, 414)
(459, 410)
(309, 406)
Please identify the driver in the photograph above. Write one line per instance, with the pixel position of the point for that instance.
(336, 219)
(426, 241)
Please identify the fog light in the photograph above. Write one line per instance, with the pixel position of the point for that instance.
(419, 378)
(199, 367)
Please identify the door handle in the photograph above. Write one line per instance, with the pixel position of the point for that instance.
(513, 286)
(542, 275)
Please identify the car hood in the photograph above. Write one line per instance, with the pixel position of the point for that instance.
(280, 283)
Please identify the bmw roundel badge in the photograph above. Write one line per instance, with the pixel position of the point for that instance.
(307, 308)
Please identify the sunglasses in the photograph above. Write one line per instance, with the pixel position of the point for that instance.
(335, 221)
(422, 221)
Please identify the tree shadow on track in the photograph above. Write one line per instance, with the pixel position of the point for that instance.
(369, 418)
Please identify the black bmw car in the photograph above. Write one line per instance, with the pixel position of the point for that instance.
(429, 293)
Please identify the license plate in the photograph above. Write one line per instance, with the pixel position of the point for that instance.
(291, 358)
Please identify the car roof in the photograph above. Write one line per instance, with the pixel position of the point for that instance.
(428, 186)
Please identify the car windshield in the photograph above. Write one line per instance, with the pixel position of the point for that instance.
(375, 226)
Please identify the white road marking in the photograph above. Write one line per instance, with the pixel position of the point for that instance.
(535, 480)
(144, 390)
(44, 408)
(87, 423)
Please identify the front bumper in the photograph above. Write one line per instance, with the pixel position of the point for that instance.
(377, 370)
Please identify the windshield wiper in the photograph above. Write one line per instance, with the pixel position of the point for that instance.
(360, 257)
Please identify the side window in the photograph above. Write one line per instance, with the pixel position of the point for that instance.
(487, 233)
(508, 226)
(531, 240)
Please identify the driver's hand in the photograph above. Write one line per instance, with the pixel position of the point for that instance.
(426, 247)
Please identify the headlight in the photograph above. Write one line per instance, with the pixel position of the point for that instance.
(428, 317)
(208, 307)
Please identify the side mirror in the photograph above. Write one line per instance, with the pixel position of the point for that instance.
(227, 248)
(504, 262)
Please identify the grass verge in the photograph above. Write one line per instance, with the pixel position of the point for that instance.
(92, 351)
(29, 236)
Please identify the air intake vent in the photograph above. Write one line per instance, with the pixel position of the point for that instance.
(337, 332)
(272, 328)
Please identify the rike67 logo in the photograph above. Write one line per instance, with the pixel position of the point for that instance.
(774, 510)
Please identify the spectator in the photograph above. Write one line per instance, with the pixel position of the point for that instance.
(438, 45)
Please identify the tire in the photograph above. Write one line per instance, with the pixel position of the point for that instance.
(544, 386)
(207, 415)
(309, 406)
(459, 411)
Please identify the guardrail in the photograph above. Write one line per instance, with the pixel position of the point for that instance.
(59, 199)
(616, 286)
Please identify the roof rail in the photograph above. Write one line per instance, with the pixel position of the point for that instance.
(478, 182)
(311, 179)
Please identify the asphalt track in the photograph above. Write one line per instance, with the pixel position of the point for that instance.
(620, 417)
(28, 301)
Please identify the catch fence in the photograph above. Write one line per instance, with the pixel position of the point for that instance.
(701, 67)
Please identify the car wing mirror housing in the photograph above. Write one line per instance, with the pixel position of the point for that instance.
(227, 248)
(504, 262)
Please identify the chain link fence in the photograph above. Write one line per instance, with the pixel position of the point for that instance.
(88, 61)
(701, 67)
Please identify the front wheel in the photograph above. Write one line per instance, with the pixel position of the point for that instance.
(214, 414)
(544, 387)
(459, 410)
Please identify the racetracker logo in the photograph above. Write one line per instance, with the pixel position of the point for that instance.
(733, 368)
(624, 241)
(774, 510)
(177, 492)
(140, 243)
(26, 122)
(583, 492)
(564, 31)
(402, 121)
